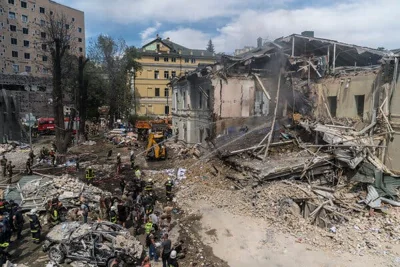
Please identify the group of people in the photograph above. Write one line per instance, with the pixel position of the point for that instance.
(12, 221)
(137, 208)
(7, 168)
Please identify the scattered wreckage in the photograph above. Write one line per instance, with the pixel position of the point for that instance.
(100, 243)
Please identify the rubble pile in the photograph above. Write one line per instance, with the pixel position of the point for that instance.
(36, 193)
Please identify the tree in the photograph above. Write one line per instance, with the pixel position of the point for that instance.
(59, 40)
(210, 47)
(381, 48)
(115, 59)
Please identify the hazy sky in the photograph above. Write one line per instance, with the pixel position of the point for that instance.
(233, 24)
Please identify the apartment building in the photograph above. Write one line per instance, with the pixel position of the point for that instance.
(162, 60)
(21, 31)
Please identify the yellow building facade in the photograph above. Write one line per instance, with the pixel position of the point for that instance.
(162, 60)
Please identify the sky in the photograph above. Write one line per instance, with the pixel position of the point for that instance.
(233, 24)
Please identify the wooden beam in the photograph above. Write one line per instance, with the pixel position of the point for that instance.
(262, 86)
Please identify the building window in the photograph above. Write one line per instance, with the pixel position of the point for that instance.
(360, 104)
(15, 68)
(173, 73)
(184, 100)
(24, 4)
(156, 74)
(73, 19)
(44, 58)
(67, 26)
(176, 101)
(208, 99)
(80, 49)
(166, 74)
(28, 69)
(79, 29)
(14, 53)
(27, 56)
(80, 40)
(157, 92)
(14, 41)
(156, 59)
(165, 59)
(44, 47)
(193, 60)
(51, 12)
(11, 15)
(42, 10)
(332, 102)
(166, 110)
(24, 18)
(173, 59)
(166, 92)
(158, 47)
(26, 43)
(45, 70)
(43, 34)
(42, 22)
(186, 60)
(13, 28)
(25, 30)
(11, 2)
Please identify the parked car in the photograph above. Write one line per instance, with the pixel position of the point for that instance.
(100, 243)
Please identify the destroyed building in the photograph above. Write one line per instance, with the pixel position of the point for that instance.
(10, 127)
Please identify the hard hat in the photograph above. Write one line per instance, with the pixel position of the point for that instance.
(113, 208)
(150, 180)
(169, 178)
(90, 167)
(131, 152)
(173, 254)
(119, 154)
(33, 211)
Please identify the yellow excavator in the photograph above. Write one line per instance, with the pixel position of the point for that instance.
(156, 148)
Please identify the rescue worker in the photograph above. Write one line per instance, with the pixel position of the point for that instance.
(54, 214)
(31, 155)
(109, 154)
(172, 262)
(122, 185)
(168, 189)
(35, 226)
(122, 211)
(10, 168)
(132, 158)
(85, 210)
(3, 246)
(2, 206)
(18, 221)
(53, 147)
(119, 163)
(43, 154)
(29, 166)
(148, 227)
(138, 173)
(89, 175)
(3, 163)
(53, 157)
(149, 186)
(113, 214)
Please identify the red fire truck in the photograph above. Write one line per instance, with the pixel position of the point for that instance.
(47, 126)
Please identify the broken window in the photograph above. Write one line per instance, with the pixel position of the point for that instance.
(156, 74)
(193, 60)
(11, 15)
(157, 92)
(332, 102)
(42, 10)
(166, 74)
(13, 28)
(24, 18)
(360, 104)
(186, 60)
(15, 68)
(28, 69)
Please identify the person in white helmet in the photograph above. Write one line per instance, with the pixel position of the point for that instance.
(35, 226)
(119, 162)
(132, 158)
(113, 214)
(89, 175)
(172, 261)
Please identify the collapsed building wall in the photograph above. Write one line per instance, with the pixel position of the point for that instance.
(347, 96)
(10, 127)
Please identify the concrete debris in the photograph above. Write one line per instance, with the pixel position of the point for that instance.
(89, 143)
(36, 193)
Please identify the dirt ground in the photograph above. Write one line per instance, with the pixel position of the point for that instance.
(212, 234)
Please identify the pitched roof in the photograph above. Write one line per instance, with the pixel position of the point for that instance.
(184, 50)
